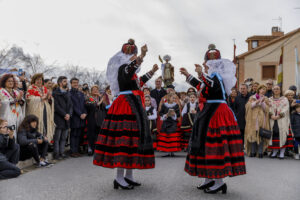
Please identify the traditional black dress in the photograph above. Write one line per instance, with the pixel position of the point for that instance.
(188, 122)
(152, 117)
(169, 137)
(124, 140)
(215, 147)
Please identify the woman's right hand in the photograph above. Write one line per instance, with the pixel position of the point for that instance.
(39, 141)
(184, 72)
(198, 68)
(134, 57)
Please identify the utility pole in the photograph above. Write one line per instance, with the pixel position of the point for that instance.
(280, 22)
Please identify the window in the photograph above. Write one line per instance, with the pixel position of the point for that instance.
(254, 44)
(268, 72)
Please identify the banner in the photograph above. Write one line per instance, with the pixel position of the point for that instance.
(280, 69)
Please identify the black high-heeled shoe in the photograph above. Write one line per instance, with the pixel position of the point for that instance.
(222, 188)
(208, 185)
(252, 155)
(117, 185)
(130, 182)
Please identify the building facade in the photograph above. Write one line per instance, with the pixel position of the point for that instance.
(261, 61)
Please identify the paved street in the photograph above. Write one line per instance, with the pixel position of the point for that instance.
(74, 179)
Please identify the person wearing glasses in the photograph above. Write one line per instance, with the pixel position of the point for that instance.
(9, 152)
(11, 101)
(269, 91)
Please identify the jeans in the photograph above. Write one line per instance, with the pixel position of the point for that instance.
(8, 170)
(34, 150)
(60, 137)
(13, 154)
(75, 139)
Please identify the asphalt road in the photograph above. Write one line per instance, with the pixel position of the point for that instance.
(78, 178)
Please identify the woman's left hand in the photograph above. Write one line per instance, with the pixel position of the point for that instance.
(154, 68)
(20, 96)
(184, 71)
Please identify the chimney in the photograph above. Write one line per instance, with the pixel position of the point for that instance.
(276, 31)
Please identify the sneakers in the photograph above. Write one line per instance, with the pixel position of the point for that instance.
(49, 164)
(296, 156)
(44, 163)
(41, 164)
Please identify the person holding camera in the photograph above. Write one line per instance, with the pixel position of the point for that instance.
(32, 143)
(9, 152)
(95, 106)
(86, 90)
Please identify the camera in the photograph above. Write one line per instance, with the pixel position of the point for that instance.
(85, 88)
(41, 138)
(12, 127)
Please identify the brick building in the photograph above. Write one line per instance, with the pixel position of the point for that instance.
(261, 60)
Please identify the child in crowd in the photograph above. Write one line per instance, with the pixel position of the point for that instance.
(295, 122)
(188, 114)
(169, 137)
(152, 116)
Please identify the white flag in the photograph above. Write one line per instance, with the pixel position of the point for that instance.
(297, 70)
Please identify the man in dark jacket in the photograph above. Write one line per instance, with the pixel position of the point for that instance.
(239, 108)
(269, 91)
(295, 124)
(9, 153)
(78, 117)
(158, 92)
(62, 114)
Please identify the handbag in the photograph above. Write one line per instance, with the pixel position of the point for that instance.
(264, 133)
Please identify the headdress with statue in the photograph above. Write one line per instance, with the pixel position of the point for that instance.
(167, 58)
(212, 53)
(167, 70)
(119, 59)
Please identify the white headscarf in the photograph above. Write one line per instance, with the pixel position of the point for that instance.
(112, 70)
(226, 69)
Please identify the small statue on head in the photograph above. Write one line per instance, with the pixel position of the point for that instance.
(167, 71)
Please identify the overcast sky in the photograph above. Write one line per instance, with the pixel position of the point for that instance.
(89, 32)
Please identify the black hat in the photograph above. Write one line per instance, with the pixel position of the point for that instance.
(293, 87)
(171, 86)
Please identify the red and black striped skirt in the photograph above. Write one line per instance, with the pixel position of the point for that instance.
(118, 141)
(186, 133)
(223, 148)
(276, 140)
(169, 142)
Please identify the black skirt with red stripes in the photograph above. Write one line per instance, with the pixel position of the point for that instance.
(169, 142)
(216, 147)
(169, 139)
(124, 140)
(276, 139)
(154, 134)
(185, 137)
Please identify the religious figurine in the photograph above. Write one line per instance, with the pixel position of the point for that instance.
(167, 70)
